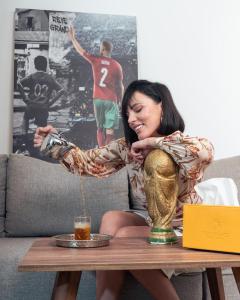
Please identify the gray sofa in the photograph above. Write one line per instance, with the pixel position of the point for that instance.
(40, 199)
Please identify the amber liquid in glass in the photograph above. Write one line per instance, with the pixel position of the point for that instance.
(82, 231)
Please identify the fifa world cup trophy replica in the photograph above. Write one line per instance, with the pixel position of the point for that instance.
(161, 188)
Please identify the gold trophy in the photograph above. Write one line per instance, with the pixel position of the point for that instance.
(161, 188)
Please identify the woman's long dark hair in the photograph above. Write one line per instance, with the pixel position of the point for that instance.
(171, 119)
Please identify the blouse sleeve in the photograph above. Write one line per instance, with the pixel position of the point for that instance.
(191, 154)
(99, 162)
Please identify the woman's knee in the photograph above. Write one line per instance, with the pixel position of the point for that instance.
(133, 231)
(111, 222)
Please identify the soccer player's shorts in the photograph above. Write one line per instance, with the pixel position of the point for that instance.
(38, 113)
(106, 114)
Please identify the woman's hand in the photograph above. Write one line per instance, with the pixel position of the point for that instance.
(140, 149)
(41, 133)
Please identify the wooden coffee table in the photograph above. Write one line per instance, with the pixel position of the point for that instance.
(123, 254)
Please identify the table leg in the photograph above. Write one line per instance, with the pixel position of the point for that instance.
(66, 285)
(236, 273)
(215, 282)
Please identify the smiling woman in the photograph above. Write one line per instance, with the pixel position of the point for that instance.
(151, 121)
(151, 104)
(144, 115)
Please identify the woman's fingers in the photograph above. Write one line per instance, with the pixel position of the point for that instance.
(139, 153)
(37, 140)
(44, 131)
(140, 149)
(41, 133)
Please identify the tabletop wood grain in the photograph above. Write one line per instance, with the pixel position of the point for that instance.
(121, 254)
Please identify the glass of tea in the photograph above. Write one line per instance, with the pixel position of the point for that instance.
(82, 227)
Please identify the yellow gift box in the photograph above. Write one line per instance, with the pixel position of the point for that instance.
(211, 227)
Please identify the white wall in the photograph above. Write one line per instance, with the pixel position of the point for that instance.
(192, 46)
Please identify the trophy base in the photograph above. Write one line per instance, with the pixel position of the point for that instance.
(160, 236)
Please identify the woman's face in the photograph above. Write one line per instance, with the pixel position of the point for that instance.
(144, 115)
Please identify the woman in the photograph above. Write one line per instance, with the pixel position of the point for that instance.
(150, 121)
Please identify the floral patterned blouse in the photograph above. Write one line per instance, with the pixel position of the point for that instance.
(191, 154)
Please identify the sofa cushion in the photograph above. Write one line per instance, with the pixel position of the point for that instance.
(43, 198)
(226, 167)
(3, 168)
(21, 285)
(31, 285)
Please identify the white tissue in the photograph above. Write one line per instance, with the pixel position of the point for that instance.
(218, 191)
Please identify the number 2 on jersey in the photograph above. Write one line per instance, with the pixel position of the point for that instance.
(104, 72)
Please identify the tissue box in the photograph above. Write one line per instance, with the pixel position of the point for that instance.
(211, 227)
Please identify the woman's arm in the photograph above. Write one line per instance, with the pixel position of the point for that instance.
(100, 162)
(191, 154)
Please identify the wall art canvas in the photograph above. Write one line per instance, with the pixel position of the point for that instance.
(70, 70)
